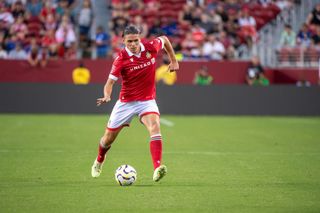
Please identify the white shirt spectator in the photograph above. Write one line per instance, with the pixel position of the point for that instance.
(247, 21)
(213, 49)
(66, 35)
(18, 54)
(283, 4)
(7, 18)
(3, 54)
(10, 2)
(85, 17)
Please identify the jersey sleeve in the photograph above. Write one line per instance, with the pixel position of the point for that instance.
(116, 69)
(157, 43)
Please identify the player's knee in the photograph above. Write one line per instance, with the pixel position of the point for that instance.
(154, 126)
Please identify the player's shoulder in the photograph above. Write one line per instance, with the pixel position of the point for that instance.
(121, 56)
(155, 40)
(150, 45)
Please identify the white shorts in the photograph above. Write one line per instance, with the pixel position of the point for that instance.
(123, 112)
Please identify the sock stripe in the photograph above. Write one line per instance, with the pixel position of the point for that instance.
(158, 138)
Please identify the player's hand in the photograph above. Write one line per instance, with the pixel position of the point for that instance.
(173, 66)
(103, 100)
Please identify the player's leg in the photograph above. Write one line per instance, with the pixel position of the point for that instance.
(152, 123)
(121, 116)
(104, 145)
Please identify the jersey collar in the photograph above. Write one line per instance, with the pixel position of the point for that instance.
(142, 48)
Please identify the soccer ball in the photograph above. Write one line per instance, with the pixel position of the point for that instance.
(125, 175)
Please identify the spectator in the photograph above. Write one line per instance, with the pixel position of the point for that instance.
(304, 36)
(116, 44)
(119, 5)
(185, 16)
(10, 42)
(19, 28)
(288, 37)
(137, 21)
(46, 10)
(71, 51)
(284, 4)
(3, 53)
(155, 29)
(228, 43)
(265, 3)
(34, 7)
(189, 45)
(49, 42)
(217, 21)
(247, 26)
(11, 2)
(117, 24)
(151, 6)
(50, 22)
(232, 5)
(85, 19)
(169, 27)
(196, 15)
(314, 17)
(163, 75)
(316, 39)
(222, 13)
(65, 34)
(18, 53)
(17, 9)
(81, 75)
(85, 48)
(202, 77)
(255, 73)
(61, 9)
(213, 49)
(207, 24)
(34, 53)
(6, 18)
(198, 33)
(102, 42)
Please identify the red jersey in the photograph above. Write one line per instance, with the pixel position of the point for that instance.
(137, 71)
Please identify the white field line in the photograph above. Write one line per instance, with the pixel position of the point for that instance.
(166, 122)
(174, 152)
(240, 153)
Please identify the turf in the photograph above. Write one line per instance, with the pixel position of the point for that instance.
(215, 164)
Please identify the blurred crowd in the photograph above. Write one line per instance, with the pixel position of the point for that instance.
(304, 43)
(40, 29)
(213, 29)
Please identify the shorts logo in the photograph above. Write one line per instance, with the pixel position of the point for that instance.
(148, 55)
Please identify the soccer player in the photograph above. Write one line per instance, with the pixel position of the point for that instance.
(135, 64)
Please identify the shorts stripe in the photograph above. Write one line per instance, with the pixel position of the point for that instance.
(147, 113)
(117, 128)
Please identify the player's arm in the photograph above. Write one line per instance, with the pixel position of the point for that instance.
(107, 90)
(174, 65)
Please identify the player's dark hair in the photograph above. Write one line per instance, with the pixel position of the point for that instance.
(131, 29)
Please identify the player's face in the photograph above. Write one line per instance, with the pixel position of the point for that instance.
(132, 42)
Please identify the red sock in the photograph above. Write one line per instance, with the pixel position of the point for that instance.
(102, 152)
(156, 150)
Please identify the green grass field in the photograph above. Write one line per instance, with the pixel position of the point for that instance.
(215, 164)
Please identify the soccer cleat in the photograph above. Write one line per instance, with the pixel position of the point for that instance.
(159, 173)
(96, 169)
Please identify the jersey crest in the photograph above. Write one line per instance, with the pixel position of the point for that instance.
(148, 55)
